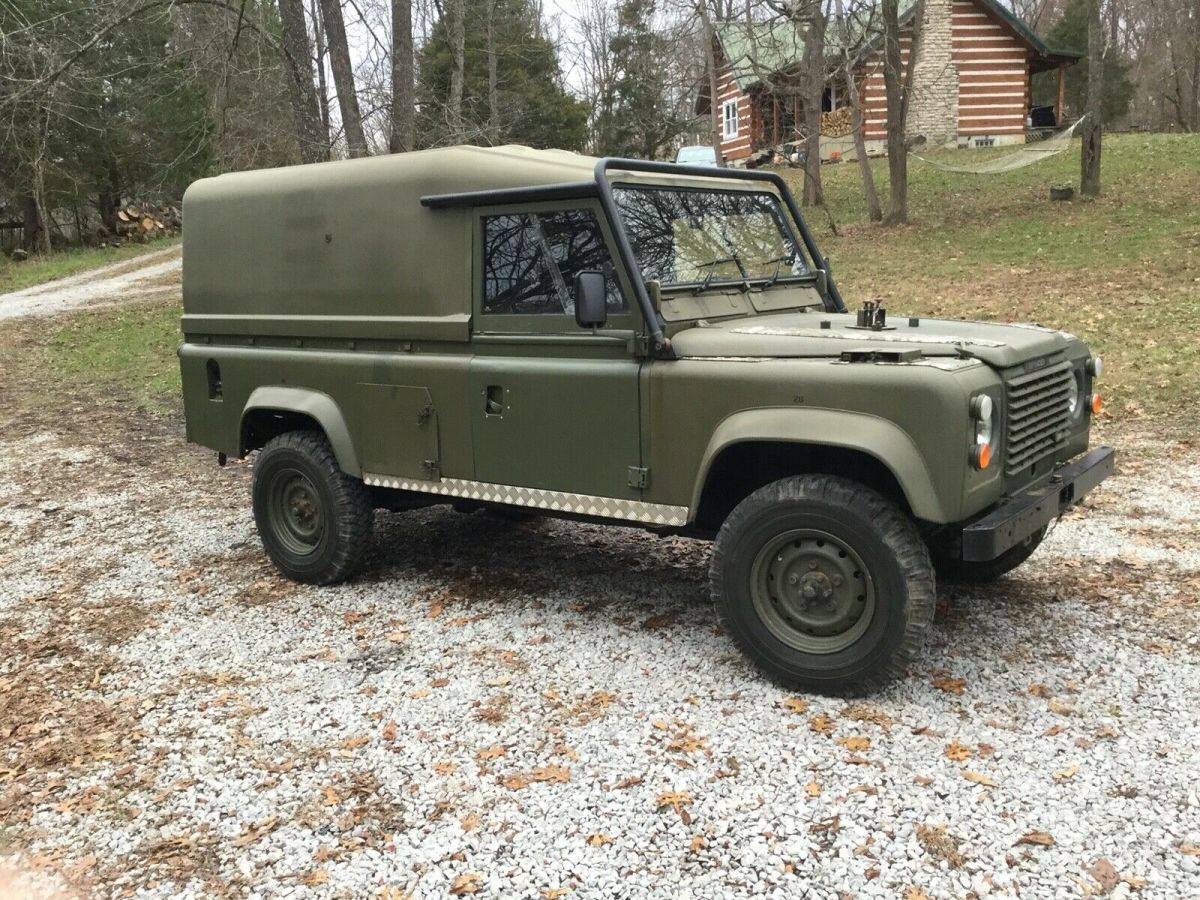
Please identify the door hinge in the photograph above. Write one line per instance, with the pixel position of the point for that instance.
(639, 477)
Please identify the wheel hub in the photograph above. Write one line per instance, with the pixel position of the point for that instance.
(812, 590)
(295, 508)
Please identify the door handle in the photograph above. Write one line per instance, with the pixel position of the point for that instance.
(493, 404)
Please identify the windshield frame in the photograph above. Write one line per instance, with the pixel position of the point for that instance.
(783, 220)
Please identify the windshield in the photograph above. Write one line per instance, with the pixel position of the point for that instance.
(696, 155)
(701, 237)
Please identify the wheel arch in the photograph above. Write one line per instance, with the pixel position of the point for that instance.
(275, 409)
(755, 447)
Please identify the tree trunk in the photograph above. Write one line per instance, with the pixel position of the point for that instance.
(322, 87)
(297, 61)
(896, 150)
(493, 77)
(403, 127)
(710, 59)
(874, 212)
(814, 93)
(458, 40)
(1089, 162)
(343, 76)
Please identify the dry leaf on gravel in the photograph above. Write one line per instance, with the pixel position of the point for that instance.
(821, 724)
(978, 778)
(445, 768)
(598, 840)
(462, 885)
(957, 752)
(313, 878)
(915, 893)
(520, 780)
(1059, 708)
(855, 744)
(493, 752)
(1037, 839)
(949, 685)
(353, 743)
(1104, 873)
(555, 893)
(697, 844)
(254, 832)
(940, 844)
(631, 781)
(678, 801)
(795, 704)
(1066, 774)
(470, 821)
(812, 789)
(389, 731)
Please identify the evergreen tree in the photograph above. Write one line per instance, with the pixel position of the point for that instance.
(636, 115)
(532, 106)
(1070, 32)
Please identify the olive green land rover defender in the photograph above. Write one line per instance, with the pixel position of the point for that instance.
(625, 342)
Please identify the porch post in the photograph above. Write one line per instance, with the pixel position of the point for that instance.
(1061, 103)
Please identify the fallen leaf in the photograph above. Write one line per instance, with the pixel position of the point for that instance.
(444, 768)
(435, 610)
(330, 797)
(598, 840)
(465, 884)
(493, 752)
(254, 832)
(949, 685)
(855, 743)
(915, 893)
(697, 844)
(821, 724)
(678, 801)
(1040, 690)
(956, 751)
(1060, 709)
(629, 782)
(555, 893)
(813, 789)
(1104, 873)
(389, 731)
(353, 743)
(396, 637)
(1066, 774)
(795, 704)
(439, 682)
(978, 778)
(315, 877)
(1037, 839)
(420, 693)
(470, 821)
(1189, 849)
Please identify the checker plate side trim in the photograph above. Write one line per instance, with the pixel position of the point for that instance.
(556, 501)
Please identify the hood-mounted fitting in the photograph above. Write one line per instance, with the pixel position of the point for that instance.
(872, 317)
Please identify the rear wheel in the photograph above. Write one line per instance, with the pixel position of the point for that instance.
(824, 583)
(313, 518)
(951, 568)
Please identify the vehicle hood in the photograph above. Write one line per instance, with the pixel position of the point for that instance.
(802, 335)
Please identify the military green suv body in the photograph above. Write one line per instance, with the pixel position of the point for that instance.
(629, 342)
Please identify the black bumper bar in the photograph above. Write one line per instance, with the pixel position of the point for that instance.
(1015, 519)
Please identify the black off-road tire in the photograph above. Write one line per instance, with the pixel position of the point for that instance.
(833, 520)
(952, 569)
(314, 519)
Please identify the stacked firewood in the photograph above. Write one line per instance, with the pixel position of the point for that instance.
(142, 223)
(837, 123)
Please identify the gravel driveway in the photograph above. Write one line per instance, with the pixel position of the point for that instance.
(120, 282)
(550, 709)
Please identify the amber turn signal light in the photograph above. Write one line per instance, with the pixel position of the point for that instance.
(981, 456)
(1096, 404)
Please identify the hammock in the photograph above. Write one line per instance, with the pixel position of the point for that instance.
(1019, 159)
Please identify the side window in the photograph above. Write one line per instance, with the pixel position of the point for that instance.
(530, 261)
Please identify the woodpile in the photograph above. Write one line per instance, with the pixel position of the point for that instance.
(837, 123)
(143, 223)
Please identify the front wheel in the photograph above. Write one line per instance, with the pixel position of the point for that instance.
(313, 518)
(823, 583)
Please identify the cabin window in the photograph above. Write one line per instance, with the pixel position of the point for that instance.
(729, 119)
(530, 261)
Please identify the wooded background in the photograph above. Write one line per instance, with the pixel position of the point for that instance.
(106, 104)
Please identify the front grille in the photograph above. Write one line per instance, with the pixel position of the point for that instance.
(1038, 414)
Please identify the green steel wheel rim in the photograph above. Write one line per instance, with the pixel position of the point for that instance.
(812, 591)
(296, 514)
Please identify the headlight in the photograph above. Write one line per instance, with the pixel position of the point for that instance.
(1095, 365)
(1074, 390)
(983, 411)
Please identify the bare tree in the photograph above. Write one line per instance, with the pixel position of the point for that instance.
(849, 68)
(493, 92)
(710, 56)
(456, 10)
(898, 80)
(402, 131)
(297, 60)
(343, 77)
(1089, 161)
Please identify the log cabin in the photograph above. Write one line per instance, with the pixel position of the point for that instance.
(972, 79)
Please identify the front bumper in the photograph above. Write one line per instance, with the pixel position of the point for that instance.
(1013, 520)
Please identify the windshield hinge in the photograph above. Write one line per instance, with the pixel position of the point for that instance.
(639, 477)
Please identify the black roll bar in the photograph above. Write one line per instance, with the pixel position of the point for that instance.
(604, 186)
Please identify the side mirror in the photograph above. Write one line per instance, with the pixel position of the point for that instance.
(654, 290)
(591, 301)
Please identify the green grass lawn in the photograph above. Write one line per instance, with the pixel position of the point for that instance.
(15, 276)
(1122, 272)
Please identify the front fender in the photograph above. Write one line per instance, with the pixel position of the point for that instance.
(872, 435)
(316, 405)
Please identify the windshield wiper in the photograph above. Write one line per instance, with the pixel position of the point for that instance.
(712, 267)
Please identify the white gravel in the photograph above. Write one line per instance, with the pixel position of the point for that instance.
(552, 706)
(116, 283)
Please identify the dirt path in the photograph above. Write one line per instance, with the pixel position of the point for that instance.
(116, 283)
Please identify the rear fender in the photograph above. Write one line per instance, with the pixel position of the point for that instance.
(320, 407)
